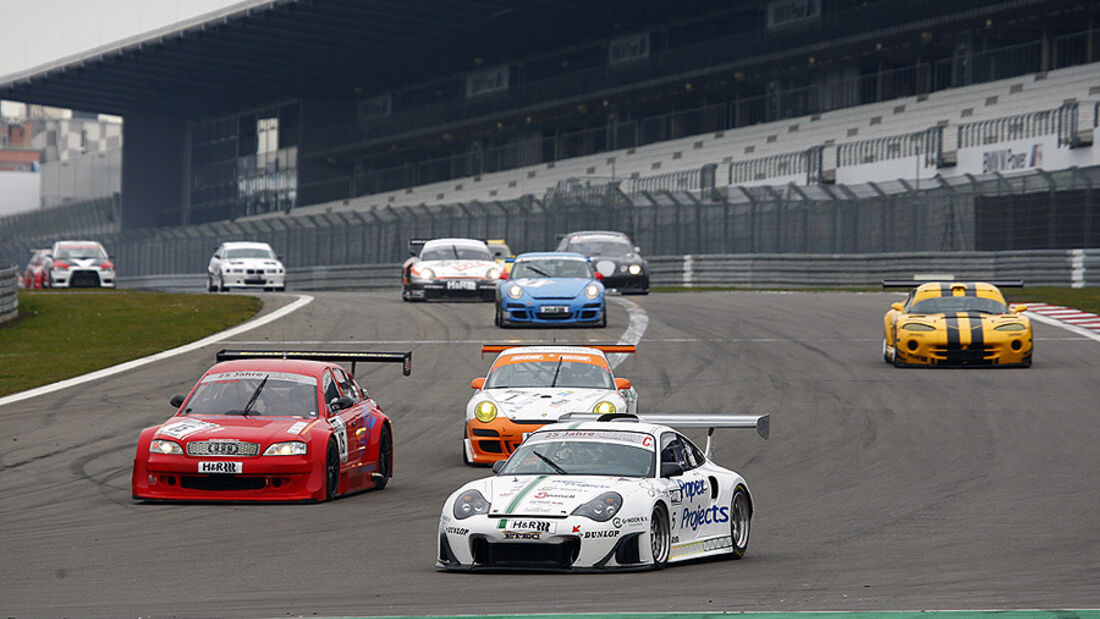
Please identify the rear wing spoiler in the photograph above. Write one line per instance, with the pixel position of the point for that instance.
(710, 421)
(913, 283)
(404, 358)
(619, 349)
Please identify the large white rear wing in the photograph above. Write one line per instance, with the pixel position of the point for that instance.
(713, 421)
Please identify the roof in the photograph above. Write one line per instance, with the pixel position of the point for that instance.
(261, 52)
(621, 235)
(551, 254)
(456, 241)
(605, 426)
(293, 366)
(245, 244)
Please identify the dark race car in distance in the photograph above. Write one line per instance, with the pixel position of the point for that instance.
(613, 256)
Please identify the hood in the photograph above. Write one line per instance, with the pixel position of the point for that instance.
(457, 268)
(551, 495)
(553, 287)
(254, 429)
(547, 404)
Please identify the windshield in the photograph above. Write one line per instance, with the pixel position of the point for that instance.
(228, 393)
(621, 454)
(455, 252)
(551, 371)
(249, 252)
(80, 252)
(950, 305)
(552, 267)
(606, 246)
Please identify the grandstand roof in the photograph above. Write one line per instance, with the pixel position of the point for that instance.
(262, 51)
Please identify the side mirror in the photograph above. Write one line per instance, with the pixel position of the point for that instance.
(622, 384)
(477, 383)
(340, 403)
(499, 464)
(599, 275)
(899, 306)
(1018, 309)
(671, 469)
(176, 401)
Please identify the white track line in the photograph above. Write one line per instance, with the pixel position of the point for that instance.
(635, 329)
(302, 301)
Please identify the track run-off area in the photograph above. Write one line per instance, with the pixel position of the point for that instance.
(880, 489)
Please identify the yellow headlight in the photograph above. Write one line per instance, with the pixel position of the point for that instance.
(603, 408)
(485, 411)
(917, 326)
(1011, 326)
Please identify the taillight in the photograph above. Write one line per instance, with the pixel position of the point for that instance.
(60, 265)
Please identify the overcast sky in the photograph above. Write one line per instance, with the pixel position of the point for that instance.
(34, 32)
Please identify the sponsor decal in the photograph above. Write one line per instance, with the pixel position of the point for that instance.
(693, 488)
(1007, 160)
(340, 431)
(695, 518)
(599, 534)
(233, 377)
(297, 427)
(220, 466)
(629, 438)
(572, 483)
(553, 495)
(457, 531)
(619, 522)
(187, 427)
(523, 535)
(576, 528)
(526, 525)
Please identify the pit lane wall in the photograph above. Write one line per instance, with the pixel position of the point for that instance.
(9, 293)
(1056, 267)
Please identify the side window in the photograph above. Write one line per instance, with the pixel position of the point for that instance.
(347, 386)
(694, 454)
(672, 450)
(329, 386)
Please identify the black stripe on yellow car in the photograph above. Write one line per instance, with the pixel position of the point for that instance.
(951, 323)
(977, 330)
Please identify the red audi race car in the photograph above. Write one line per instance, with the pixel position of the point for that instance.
(270, 426)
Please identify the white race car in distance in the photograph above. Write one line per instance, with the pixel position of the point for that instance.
(528, 387)
(618, 492)
(242, 264)
(80, 264)
(449, 269)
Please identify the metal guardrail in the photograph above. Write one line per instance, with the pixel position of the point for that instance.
(9, 293)
(1064, 267)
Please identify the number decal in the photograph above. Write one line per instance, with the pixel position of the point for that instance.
(341, 437)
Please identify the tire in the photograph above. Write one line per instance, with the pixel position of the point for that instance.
(503, 324)
(465, 458)
(210, 284)
(602, 324)
(740, 518)
(332, 472)
(496, 321)
(660, 537)
(385, 458)
(280, 289)
(221, 284)
(885, 355)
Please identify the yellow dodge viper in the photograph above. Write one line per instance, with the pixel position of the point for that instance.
(956, 323)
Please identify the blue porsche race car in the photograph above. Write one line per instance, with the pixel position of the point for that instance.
(551, 288)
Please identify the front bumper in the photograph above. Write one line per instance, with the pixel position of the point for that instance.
(82, 278)
(263, 478)
(574, 544)
(626, 283)
(1007, 351)
(485, 443)
(254, 280)
(483, 289)
(534, 311)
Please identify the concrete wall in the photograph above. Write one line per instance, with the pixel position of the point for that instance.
(19, 191)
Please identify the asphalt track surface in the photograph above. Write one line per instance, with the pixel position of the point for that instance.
(880, 488)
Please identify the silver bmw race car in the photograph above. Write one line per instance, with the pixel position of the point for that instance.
(611, 492)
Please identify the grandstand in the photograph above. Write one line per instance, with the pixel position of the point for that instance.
(279, 110)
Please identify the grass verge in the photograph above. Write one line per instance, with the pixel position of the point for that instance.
(61, 334)
(1085, 299)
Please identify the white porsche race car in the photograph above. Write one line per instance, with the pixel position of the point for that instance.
(616, 492)
(449, 269)
(528, 387)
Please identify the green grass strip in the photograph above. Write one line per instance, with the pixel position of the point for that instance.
(61, 334)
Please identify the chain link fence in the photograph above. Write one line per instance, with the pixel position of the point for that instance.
(1039, 210)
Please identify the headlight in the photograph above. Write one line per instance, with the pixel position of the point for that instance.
(427, 273)
(289, 448)
(493, 273)
(161, 446)
(601, 508)
(917, 326)
(515, 291)
(485, 411)
(635, 269)
(604, 408)
(591, 291)
(470, 503)
(1011, 326)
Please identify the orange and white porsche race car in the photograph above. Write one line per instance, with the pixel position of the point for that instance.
(530, 386)
(956, 323)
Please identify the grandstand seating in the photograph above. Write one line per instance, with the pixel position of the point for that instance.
(1025, 93)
